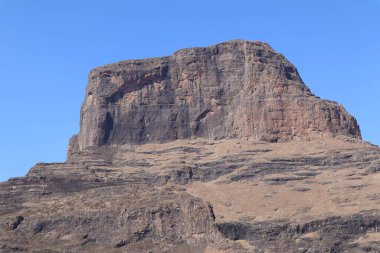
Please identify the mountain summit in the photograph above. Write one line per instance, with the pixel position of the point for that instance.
(230, 90)
(217, 149)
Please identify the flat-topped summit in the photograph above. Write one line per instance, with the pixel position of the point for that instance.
(230, 90)
(175, 192)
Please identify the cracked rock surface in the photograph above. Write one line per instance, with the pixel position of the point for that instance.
(219, 149)
(231, 90)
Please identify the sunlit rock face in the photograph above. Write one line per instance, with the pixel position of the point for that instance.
(224, 150)
(230, 90)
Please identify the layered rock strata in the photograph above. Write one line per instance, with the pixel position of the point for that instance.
(219, 149)
(230, 90)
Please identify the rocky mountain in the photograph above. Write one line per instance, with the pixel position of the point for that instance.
(214, 149)
(231, 90)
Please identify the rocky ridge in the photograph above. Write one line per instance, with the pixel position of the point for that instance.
(216, 149)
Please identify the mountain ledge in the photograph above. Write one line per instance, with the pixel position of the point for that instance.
(221, 149)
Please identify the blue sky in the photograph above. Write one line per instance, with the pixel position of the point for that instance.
(48, 47)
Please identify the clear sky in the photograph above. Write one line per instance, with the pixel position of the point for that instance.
(48, 47)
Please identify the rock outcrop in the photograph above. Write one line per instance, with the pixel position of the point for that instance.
(230, 90)
(199, 196)
(160, 164)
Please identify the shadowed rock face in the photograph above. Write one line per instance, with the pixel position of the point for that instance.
(230, 90)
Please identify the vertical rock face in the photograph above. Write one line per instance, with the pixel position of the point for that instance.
(232, 195)
(230, 90)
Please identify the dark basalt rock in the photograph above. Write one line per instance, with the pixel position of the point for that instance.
(14, 223)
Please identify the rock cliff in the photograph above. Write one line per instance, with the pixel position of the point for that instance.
(230, 90)
(160, 164)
